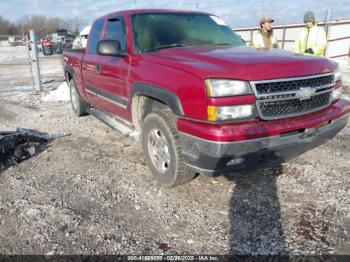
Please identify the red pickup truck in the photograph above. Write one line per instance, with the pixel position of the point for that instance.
(201, 101)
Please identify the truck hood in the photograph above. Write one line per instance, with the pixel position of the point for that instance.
(243, 62)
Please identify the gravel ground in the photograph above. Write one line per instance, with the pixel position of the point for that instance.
(91, 193)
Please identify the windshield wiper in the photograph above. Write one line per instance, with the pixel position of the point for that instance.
(171, 46)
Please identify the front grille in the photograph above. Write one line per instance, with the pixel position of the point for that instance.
(292, 97)
(293, 107)
(293, 85)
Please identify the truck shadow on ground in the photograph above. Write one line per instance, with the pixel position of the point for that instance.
(255, 215)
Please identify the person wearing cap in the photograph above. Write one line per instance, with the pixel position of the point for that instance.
(264, 37)
(311, 40)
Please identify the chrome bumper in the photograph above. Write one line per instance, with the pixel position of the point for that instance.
(218, 157)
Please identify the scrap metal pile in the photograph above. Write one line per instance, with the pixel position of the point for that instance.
(21, 144)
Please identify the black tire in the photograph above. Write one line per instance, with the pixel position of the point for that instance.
(160, 126)
(79, 106)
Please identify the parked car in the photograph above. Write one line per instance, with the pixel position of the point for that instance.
(198, 98)
(16, 40)
(47, 46)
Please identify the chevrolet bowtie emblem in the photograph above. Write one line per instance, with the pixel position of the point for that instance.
(305, 93)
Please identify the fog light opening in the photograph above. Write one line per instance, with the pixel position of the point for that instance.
(235, 161)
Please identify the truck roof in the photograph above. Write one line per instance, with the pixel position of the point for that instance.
(145, 11)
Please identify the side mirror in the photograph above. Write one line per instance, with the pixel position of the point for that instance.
(109, 48)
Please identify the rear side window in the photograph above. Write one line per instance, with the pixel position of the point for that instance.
(94, 36)
(116, 31)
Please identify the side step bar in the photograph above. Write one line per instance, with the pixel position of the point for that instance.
(119, 126)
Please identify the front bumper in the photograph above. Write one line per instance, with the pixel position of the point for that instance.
(212, 158)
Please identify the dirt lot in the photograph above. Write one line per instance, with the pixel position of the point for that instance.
(91, 193)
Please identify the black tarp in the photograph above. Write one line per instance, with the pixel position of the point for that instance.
(21, 144)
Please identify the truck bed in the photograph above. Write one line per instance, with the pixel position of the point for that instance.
(72, 63)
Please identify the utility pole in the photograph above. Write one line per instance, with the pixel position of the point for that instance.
(135, 4)
(35, 60)
(29, 58)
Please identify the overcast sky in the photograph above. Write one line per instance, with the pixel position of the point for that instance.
(235, 13)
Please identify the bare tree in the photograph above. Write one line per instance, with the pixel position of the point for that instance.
(41, 24)
(6, 28)
(78, 25)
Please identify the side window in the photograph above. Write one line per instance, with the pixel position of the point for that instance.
(94, 36)
(116, 31)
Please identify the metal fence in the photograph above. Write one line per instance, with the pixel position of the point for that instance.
(338, 36)
(19, 54)
(13, 40)
(7, 41)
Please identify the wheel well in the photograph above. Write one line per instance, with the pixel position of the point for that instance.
(141, 106)
(68, 76)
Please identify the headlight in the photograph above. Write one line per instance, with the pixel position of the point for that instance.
(226, 87)
(337, 75)
(222, 113)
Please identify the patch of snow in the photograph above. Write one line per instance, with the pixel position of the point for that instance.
(13, 53)
(23, 88)
(53, 68)
(59, 94)
(17, 92)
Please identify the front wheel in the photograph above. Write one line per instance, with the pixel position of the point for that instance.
(162, 149)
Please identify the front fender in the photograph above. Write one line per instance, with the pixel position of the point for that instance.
(158, 93)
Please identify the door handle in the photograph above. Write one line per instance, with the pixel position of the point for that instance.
(98, 67)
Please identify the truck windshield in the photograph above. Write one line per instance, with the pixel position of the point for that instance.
(154, 31)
